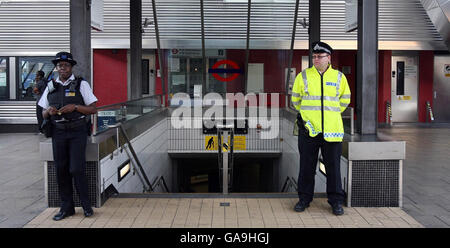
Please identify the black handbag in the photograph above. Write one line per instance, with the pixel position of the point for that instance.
(47, 128)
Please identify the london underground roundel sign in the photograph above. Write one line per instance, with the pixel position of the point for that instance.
(234, 70)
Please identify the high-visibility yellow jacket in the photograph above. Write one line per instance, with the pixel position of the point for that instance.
(321, 99)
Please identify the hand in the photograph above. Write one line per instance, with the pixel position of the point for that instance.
(35, 90)
(52, 110)
(67, 109)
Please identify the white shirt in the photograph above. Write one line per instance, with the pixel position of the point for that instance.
(85, 89)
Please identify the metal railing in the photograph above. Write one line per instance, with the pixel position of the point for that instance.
(148, 187)
(289, 182)
(160, 181)
(123, 111)
(143, 176)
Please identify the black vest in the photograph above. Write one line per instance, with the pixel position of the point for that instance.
(64, 95)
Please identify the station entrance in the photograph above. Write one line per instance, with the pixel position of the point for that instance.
(202, 175)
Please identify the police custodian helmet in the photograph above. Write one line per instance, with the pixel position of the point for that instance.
(64, 56)
(321, 47)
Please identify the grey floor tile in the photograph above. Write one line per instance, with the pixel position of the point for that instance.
(431, 221)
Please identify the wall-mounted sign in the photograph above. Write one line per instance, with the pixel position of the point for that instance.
(239, 143)
(447, 70)
(192, 53)
(404, 98)
(234, 70)
(410, 71)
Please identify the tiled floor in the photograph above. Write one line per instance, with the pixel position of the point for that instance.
(21, 179)
(426, 193)
(426, 172)
(208, 213)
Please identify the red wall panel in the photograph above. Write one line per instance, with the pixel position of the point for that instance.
(426, 65)
(343, 58)
(110, 76)
(158, 79)
(384, 83)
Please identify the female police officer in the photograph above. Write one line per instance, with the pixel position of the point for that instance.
(67, 101)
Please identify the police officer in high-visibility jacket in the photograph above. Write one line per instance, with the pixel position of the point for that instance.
(320, 94)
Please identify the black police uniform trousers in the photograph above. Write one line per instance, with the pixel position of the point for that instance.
(331, 154)
(39, 116)
(69, 153)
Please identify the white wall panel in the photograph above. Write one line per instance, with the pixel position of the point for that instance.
(42, 27)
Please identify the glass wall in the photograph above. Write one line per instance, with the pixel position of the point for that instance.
(186, 70)
(28, 66)
(4, 94)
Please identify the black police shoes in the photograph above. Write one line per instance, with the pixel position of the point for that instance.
(337, 208)
(88, 212)
(300, 206)
(63, 214)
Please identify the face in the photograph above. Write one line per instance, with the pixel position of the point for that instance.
(38, 77)
(64, 69)
(321, 60)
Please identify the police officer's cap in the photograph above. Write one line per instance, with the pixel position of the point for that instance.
(321, 47)
(64, 56)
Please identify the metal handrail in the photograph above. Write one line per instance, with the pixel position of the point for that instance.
(136, 159)
(158, 182)
(126, 102)
(290, 181)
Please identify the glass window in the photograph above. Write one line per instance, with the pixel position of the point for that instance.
(186, 70)
(28, 66)
(177, 75)
(4, 94)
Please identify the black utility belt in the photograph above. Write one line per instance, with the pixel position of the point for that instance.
(70, 124)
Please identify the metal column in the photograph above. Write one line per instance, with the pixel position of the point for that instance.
(160, 53)
(314, 25)
(291, 52)
(135, 49)
(247, 47)
(225, 163)
(225, 151)
(204, 70)
(367, 67)
(80, 37)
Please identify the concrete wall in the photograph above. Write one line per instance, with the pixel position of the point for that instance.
(151, 149)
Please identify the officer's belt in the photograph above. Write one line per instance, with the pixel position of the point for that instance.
(70, 124)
